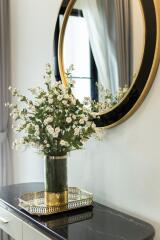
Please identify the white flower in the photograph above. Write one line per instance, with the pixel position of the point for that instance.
(73, 101)
(14, 91)
(28, 126)
(88, 124)
(36, 130)
(63, 143)
(55, 135)
(33, 109)
(57, 130)
(64, 102)
(66, 96)
(82, 141)
(60, 97)
(36, 104)
(41, 100)
(81, 121)
(48, 145)
(50, 101)
(56, 92)
(48, 120)
(50, 96)
(74, 117)
(68, 119)
(94, 114)
(50, 129)
(85, 118)
(52, 132)
(93, 125)
(76, 131)
(125, 89)
(61, 87)
(108, 101)
(49, 109)
(103, 106)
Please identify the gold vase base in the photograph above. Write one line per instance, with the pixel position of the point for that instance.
(55, 199)
(42, 203)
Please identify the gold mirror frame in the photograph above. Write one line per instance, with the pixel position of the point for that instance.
(152, 73)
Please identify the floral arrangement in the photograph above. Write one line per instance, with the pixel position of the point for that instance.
(107, 99)
(54, 121)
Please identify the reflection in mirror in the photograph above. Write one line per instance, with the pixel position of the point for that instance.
(104, 40)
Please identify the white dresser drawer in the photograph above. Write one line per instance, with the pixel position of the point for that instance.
(30, 233)
(10, 224)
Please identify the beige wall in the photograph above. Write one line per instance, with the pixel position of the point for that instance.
(122, 171)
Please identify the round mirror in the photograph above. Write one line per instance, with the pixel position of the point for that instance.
(110, 47)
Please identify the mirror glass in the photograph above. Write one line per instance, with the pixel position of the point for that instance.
(104, 42)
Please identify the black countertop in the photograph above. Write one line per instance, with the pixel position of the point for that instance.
(97, 223)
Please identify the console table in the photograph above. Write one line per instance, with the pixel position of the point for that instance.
(97, 223)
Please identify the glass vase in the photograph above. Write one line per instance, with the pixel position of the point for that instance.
(56, 181)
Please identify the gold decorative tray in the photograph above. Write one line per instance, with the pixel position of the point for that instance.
(34, 202)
